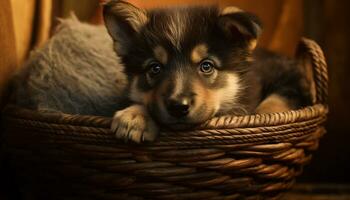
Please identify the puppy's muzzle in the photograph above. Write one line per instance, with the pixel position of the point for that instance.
(179, 107)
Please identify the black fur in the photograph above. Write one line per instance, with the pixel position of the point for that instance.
(281, 75)
(227, 36)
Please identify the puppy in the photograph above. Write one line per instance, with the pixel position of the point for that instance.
(187, 65)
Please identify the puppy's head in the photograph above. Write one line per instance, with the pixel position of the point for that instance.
(184, 64)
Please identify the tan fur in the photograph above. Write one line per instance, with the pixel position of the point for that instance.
(213, 77)
(161, 54)
(204, 97)
(175, 33)
(230, 10)
(226, 96)
(252, 44)
(199, 53)
(135, 124)
(272, 104)
(179, 84)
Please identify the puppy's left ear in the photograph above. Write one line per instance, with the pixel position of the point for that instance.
(241, 26)
(123, 22)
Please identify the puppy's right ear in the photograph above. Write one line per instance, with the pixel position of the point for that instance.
(123, 22)
(240, 25)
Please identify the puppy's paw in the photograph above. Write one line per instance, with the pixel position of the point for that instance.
(135, 124)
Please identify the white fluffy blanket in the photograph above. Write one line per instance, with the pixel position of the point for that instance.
(76, 72)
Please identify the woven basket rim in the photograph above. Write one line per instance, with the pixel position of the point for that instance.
(282, 127)
(222, 122)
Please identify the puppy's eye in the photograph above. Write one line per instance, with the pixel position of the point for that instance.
(154, 68)
(206, 66)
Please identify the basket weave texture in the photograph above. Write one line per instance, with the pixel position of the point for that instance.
(60, 156)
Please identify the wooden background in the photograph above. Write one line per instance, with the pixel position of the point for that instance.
(25, 25)
(327, 21)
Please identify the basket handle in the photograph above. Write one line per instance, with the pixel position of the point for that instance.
(309, 50)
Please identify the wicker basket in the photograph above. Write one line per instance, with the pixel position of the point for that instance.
(60, 156)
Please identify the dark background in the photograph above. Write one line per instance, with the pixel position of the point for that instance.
(328, 22)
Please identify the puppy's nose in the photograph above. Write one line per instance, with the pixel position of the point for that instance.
(179, 107)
